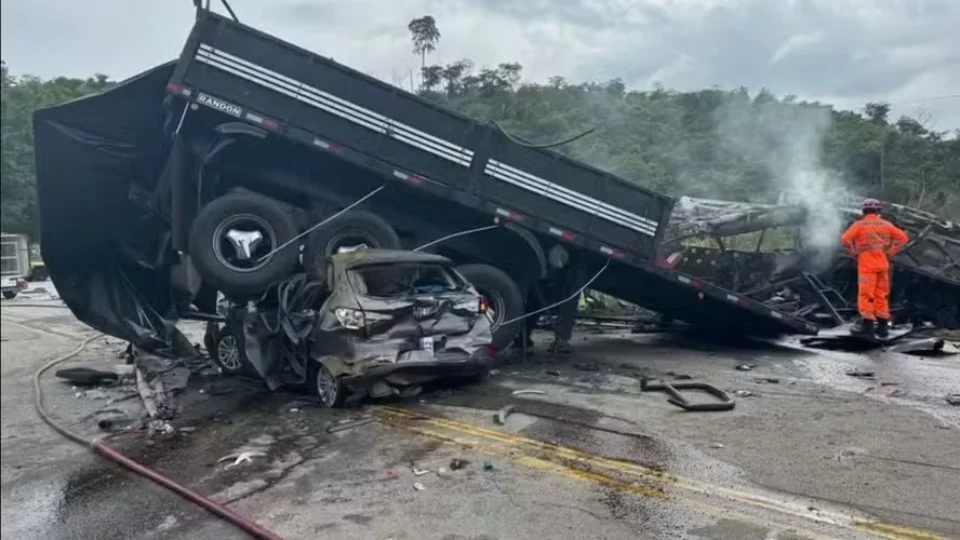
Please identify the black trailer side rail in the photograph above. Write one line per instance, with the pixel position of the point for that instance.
(477, 164)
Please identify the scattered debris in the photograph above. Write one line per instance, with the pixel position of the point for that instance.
(525, 392)
(456, 464)
(553, 372)
(488, 466)
(746, 367)
(294, 410)
(502, 414)
(770, 380)
(716, 445)
(242, 457)
(586, 366)
(746, 393)
(442, 472)
(350, 424)
(953, 399)
(87, 376)
(116, 423)
(420, 472)
(724, 401)
(419, 487)
(861, 374)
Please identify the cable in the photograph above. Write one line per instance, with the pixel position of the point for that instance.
(100, 447)
(324, 222)
(516, 140)
(564, 301)
(454, 235)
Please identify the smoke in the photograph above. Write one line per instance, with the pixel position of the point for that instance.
(786, 141)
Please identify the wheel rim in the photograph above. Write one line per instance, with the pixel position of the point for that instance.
(496, 309)
(241, 242)
(327, 386)
(228, 353)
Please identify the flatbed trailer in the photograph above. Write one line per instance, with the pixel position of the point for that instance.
(232, 80)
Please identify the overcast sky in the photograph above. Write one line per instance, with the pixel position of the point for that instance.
(845, 52)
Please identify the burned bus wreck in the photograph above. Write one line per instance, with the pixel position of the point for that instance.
(760, 251)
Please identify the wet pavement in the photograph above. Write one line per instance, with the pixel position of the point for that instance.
(816, 454)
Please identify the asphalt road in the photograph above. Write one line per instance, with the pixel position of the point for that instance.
(818, 454)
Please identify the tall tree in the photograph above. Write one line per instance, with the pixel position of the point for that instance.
(425, 36)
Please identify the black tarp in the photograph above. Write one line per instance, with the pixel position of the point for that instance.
(89, 152)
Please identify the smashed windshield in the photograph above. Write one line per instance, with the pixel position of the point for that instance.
(395, 280)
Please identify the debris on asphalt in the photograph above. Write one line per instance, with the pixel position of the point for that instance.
(350, 424)
(420, 472)
(294, 410)
(488, 466)
(553, 372)
(502, 414)
(456, 464)
(861, 374)
(716, 445)
(242, 457)
(769, 380)
(525, 392)
(87, 376)
(746, 393)
(117, 423)
(419, 487)
(746, 367)
(586, 366)
(953, 399)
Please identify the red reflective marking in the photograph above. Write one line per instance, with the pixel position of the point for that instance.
(336, 148)
(568, 235)
(176, 88)
(415, 180)
(270, 124)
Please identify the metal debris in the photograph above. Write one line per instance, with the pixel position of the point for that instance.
(770, 380)
(456, 464)
(419, 487)
(716, 445)
(746, 367)
(861, 374)
(420, 472)
(350, 425)
(525, 392)
(953, 399)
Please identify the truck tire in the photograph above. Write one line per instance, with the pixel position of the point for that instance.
(504, 296)
(9, 295)
(221, 262)
(353, 228)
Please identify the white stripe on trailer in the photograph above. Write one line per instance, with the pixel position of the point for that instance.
(732, 298)
(332, 104)
(570, 198)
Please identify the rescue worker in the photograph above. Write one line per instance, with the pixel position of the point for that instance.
(872, 240)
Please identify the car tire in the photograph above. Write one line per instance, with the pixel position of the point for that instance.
(504, 297)
(219, 263)
(325, 385)
(9, 295)
(356, 225)
(228, 353)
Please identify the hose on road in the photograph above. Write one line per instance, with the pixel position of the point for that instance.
(100, 447)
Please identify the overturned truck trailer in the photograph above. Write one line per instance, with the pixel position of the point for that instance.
(762, 251)
(211, 174)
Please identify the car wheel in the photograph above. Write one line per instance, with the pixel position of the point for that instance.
(229, 354)
(9, 295)
(504, 297)
(355, 229)
(232, 243)
(328, 387)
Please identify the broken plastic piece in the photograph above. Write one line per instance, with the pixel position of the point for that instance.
(502, 414)
(524, 392)
(420, 472)
(242, 457)
(456, 464)
(419, 487)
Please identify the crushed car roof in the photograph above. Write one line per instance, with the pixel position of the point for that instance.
(353, 259)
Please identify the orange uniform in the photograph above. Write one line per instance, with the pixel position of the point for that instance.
(873, 240)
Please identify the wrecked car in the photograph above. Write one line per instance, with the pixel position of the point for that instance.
(379, 323)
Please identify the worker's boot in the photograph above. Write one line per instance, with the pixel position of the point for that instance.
(883, 328)
(863, 327)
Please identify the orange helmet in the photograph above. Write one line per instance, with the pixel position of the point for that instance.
(871, 204)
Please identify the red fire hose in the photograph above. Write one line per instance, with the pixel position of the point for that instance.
(100, 447)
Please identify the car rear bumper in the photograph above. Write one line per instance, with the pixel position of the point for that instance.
(444, 364)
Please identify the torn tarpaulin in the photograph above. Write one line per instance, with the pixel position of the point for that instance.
(97, 160)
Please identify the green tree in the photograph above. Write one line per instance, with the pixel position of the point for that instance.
(425, 36)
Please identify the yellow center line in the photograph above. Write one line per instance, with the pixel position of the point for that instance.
(571, 462)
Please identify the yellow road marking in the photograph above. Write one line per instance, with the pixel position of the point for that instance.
(650, 482)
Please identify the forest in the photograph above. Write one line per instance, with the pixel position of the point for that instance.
(733, 144)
